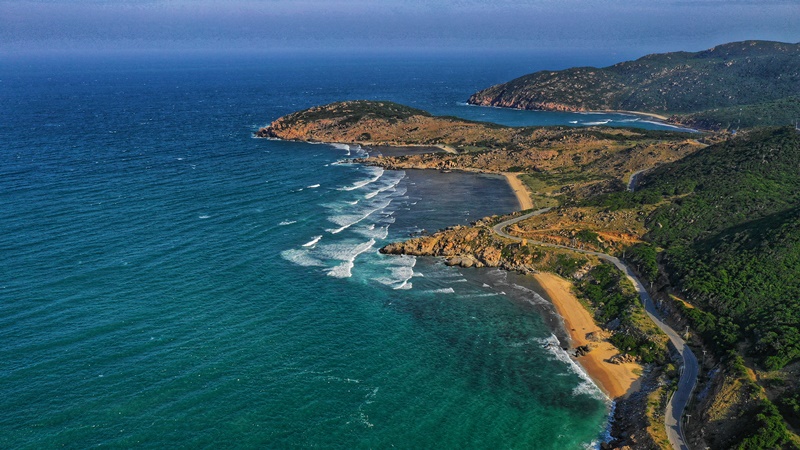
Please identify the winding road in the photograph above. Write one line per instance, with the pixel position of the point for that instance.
(686, 384)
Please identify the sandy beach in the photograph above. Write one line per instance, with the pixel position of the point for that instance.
(614, 379)
(520, 190)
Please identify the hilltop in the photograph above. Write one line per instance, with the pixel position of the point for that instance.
(740, 84)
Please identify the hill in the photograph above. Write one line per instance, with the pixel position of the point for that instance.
(678, 83)
(732, 236)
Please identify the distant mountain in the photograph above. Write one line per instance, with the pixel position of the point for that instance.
(722, 78)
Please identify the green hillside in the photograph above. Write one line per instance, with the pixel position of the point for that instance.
(726, 76)
(732, 237)
(782, 111)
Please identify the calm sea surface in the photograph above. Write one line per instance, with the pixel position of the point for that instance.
(167, 281)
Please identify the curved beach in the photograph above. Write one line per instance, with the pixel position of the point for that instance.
(616, 380)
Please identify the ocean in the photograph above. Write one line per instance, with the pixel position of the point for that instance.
(167, 280)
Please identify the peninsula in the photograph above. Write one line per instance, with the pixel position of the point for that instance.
(707, 225)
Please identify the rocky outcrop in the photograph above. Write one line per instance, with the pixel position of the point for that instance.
(623, 358)
(462, 246)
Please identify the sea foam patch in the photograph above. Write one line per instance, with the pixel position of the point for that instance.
(401, 270)
(375, 172)
(301, 258)
(586, 386)
(346, 253)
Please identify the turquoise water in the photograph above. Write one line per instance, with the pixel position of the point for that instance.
(166, 280)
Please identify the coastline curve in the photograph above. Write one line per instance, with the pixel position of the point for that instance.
(688, 380)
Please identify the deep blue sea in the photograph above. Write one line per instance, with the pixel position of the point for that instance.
(168, 281)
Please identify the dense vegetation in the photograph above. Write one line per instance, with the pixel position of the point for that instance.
(766, 430)
(645, 257)
(722, 79)
(789, 406)
(777, 112)
(732, 234)
(617, 305)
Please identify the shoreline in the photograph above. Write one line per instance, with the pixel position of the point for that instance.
(520, 190)
(655, 118)
(635, 113)
(658, 118)
(615, 380)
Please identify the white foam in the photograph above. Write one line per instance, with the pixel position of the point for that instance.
(287, 222)
(488, 294)
(348, 254)
(377, 172)
(359, 151)
(601, 122)
(343, 270)
(204, 216)
(573, 121)
(344, 147)
(586, 386)
(590, 389)
(372, 232)
(313, 186)
(401, 270)
(391, 183)
(442, 291)
(312, 241)
(301, 258)
(347, 220)
(533, 297)
(664, 124)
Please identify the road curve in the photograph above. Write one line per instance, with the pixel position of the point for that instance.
(677, 403)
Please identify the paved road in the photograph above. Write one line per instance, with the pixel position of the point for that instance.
(632, 180)
(690, 369)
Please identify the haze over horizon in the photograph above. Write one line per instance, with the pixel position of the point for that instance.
(635, 26)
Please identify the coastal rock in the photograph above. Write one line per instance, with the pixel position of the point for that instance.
(462, 261)
(623, 358)
(598, 336)
(613, 324)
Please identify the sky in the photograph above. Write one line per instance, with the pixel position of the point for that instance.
(634, 25)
